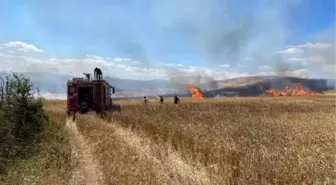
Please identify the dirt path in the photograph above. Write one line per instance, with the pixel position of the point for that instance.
(170, 167)
(88, 172)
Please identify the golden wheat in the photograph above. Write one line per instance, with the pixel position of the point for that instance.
(269, 140)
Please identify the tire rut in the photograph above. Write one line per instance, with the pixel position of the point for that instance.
(88, 172)
(170, 167)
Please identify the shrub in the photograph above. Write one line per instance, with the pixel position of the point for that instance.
(22, 119)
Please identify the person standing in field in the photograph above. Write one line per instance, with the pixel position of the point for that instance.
(176, 100)
(161, 100)
(145, 100)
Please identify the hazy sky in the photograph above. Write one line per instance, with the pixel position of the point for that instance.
(147, 39)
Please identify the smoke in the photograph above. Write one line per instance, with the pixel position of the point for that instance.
(318, 56)
(215, 31)
(187, 79)
(210, 83)
(228, 31)
(129, 44)
(322, 54)
(224, 44)
(204, 81)
(282, 67)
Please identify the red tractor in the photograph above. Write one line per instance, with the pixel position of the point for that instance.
(86, 94)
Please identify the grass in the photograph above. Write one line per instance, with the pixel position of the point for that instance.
(330, 92)
(281, 140)
(261, 140)
(53, 163)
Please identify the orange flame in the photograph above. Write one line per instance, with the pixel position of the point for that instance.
(297, 91)
(196, 93)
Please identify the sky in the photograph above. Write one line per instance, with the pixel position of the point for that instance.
(156, 39)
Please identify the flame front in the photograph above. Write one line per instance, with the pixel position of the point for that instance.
(196, 93)
(297, 91)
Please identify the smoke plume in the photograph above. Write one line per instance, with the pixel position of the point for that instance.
(214, 31)
(227, 32)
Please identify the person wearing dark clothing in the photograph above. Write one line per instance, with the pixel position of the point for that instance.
(145, 100)
(176, 100)
(161, 100)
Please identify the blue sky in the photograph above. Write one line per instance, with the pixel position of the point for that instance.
(203, 33)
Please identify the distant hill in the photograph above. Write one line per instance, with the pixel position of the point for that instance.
(235, 82)
(256, 85)
(56, 83)
(128, 84)
(244, 86)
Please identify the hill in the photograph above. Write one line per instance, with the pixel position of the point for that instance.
(56, 83)
(244, 86)
(251, 86)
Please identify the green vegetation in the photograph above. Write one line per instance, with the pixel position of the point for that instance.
(32, 147)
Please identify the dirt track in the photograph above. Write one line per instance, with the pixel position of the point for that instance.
(168, 168)
(89, 172)
(171, 163)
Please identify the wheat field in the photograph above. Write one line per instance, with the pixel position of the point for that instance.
(261, 140)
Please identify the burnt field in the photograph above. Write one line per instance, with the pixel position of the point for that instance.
(249, 87)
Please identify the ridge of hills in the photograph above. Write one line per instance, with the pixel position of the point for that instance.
(244, 86)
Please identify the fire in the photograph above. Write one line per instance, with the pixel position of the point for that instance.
(297, 91)
(196, 92)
